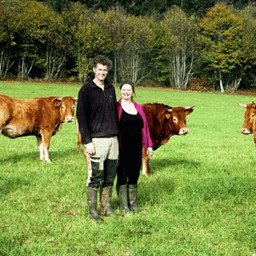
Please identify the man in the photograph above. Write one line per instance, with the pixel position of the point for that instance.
(98, 125)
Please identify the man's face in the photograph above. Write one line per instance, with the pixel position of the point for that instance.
(101, 72)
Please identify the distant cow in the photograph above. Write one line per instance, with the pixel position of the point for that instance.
(41, 117)
(249, 120)
(164, 122)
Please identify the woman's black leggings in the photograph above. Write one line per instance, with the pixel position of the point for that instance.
(128, 170)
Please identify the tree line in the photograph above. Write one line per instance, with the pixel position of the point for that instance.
(170, 44)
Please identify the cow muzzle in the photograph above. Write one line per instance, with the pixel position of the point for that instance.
(245, 131)
(183, 131)
(69, 119)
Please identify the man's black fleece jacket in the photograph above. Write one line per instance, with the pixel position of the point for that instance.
(96, 111)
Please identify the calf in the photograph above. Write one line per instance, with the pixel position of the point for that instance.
(41, 117)
(249, 120)
(164, 122)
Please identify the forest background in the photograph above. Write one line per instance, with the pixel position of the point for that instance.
(158, 42)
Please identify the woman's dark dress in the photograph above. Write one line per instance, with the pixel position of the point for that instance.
(130, 159)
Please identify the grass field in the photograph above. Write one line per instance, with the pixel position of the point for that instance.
(199, 200)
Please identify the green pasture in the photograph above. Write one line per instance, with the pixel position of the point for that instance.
(199, 200)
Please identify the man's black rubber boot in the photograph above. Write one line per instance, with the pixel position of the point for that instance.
(105, 198)
(92, 202)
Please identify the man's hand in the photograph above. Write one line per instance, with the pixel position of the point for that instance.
(90, 148)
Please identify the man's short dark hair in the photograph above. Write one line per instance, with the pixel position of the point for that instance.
(102, 59)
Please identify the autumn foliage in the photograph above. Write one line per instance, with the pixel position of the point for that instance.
(171, 48)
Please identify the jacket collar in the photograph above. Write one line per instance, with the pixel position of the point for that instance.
(93, 85)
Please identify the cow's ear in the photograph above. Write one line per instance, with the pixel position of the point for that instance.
(189, 110)
(242, 105)
(57, 102)
(76, 100)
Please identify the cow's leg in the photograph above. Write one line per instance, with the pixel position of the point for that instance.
(46, 136)
(41, 147)
(79, 142)
(145, 162)
(85, 156)
(79, 138)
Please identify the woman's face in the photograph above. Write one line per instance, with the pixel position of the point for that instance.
(126, 92)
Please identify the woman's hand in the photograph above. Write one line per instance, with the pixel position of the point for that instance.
(149, 152)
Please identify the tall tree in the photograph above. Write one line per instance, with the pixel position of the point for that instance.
(222, 34)
(138, 43)
(249, 46)
(180, 46)
(113, 23)
(32, 23)
(5, 43)
(10, 38)
(88, 37)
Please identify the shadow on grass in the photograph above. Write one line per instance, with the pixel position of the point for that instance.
(19, 157)
(158, 164)
(11, 184)
(54, 155)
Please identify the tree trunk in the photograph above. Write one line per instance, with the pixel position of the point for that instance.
(181, 70)
(26, 66)
(54, 62)
(221, 84)
(5, 63)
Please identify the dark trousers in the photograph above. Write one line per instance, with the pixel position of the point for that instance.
(128, 170)
(102, 165)
(102, 178)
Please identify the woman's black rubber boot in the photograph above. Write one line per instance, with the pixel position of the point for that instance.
(122, 193)
(132, 192)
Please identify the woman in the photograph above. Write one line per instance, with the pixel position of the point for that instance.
(133, 135)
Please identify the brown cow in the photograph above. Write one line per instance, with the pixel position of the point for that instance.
(249, 120)
(41, 117)
(164, 122)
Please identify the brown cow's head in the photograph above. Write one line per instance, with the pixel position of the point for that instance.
(249, 114)
(66, 106)
(177, 117)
